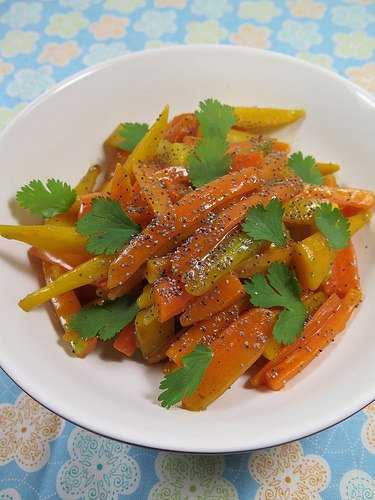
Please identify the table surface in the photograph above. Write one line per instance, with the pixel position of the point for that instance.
(42, 456)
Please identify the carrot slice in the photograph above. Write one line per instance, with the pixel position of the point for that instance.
(170, 297)
(344, 274)
(329, 307)
(210, 234)
(205, 331)
(346, 198)
(190, 212)
(297, 360)
(225, 293)
(234, 351)
(125, 341)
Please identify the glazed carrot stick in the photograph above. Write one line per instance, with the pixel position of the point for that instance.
(176, 181)
(181, 126)
(65, 305)
(125, 341)
(190, 212)
(282, 147)
(325, 311)
(205, 331)
(330, 180)
(86, 203)
(247, 160)
(144, 151)
(170, 297)
(346, 198)
(121, 186)
(138, 209)
(226, 292)
(344, 273)
(296, 361)
(212, 233)
(234, 351)
(65, 260)
(260, 262)
(154, 191)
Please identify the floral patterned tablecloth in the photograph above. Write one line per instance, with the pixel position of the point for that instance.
(41, 456)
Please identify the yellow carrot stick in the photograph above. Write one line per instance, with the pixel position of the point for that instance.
(264, 119)
(87, 183)
(144, 151)
(328, 168)
(60, 239)
(87, 273)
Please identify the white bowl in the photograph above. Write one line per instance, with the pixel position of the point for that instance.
(61, 134)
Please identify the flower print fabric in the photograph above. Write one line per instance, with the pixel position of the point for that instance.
(193, 477)
(285, 473)
(26, 428)
(98, 468)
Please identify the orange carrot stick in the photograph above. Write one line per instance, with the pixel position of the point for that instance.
(125, 341)
(121, 186)
(65, 305)
(86, 203)
(282, 147)
(176, 180)
(181, 126)
(330, 180)
(64, 260)
(344, 274)
(138, 209)
(190, 211)
(205, 332)
(154, 191)
(247, 160)
(346, 198)
(234, 351)
(211, 234)
(325, 311)
(225, 293)
(296, 361)
(170, 297)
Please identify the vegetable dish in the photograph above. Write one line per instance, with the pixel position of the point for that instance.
(203, 243)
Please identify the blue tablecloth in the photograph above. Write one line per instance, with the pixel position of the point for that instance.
(43, 457)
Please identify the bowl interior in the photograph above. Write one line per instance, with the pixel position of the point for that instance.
(61, 135)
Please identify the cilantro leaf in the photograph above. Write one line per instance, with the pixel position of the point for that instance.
(333, 225)
(104, 321)
(54, 198)
(107, 226)
(208, 161)
(215, 118)
(280, 289)
(132, 134)
(305, 168)
(289, 324)
(181, 383)
(266, 223)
